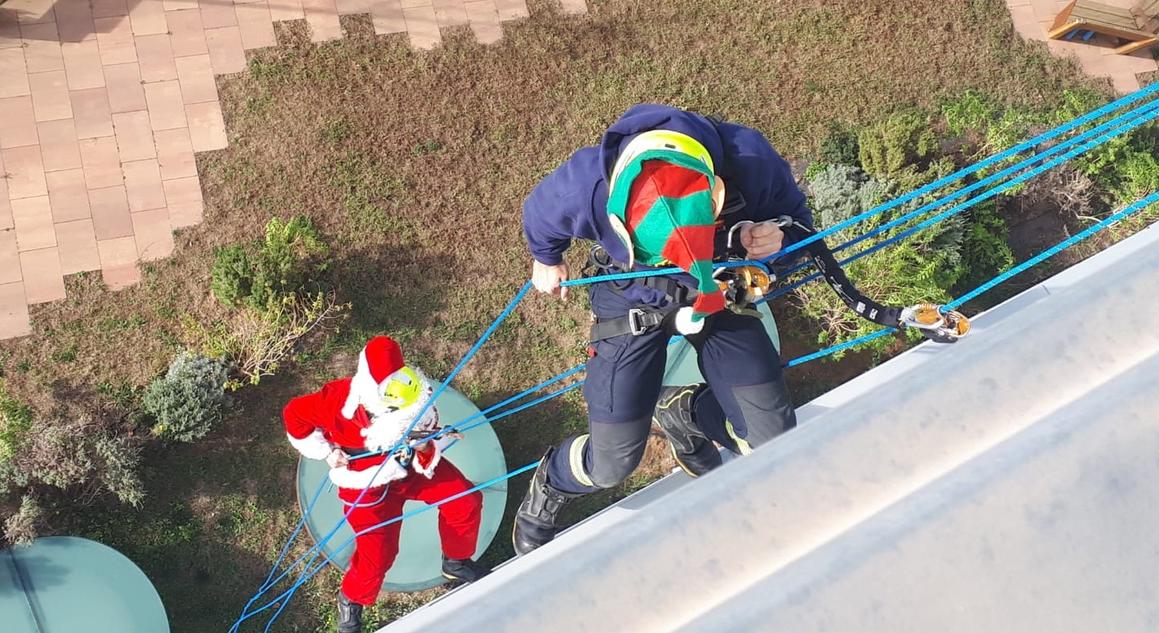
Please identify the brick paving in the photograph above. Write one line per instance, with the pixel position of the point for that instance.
(1033, 19)
(103, 104)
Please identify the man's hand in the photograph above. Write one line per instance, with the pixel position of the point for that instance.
(761, 239)
(547, 278)
(338, 458)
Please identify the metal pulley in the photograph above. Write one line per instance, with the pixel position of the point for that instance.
(936, 324)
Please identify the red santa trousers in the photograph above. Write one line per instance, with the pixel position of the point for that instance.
(375, 551)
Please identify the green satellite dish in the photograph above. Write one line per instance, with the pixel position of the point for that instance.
(682, 369)
(419, 564)
(62, 584)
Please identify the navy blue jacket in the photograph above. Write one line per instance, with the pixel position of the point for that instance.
(572, 201)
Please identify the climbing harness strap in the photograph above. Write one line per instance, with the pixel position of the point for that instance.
(638, 321)
(942, 326)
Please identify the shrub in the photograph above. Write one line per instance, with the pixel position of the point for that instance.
(233, 275)
(985, 250)
(189, 399)
(897, 149)
(997, 127)
(1137, 175)
(840, 192)
(972, 111)
(255, 342)
(276, 299)
(839, 148)
(286, 261)
(1095, 161)
(76, 452)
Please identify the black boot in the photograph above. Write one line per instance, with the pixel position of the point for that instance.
(349, 615)
(694, 452)
(463, 570)
(535, 522)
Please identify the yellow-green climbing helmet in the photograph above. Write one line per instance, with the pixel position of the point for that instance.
(403, 390)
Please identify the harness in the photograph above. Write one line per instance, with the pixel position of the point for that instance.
(744, 286)
(641, 319)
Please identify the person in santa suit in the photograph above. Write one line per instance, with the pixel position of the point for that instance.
(369, 413)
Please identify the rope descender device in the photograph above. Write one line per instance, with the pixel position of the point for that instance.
(743, 287)
(937, 325)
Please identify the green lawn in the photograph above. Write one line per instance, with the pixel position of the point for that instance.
(414, 166)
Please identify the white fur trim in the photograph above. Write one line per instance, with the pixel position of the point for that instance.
(363, 388)
(429, 470)
(313, 446)
(685, 324)
(372, 477)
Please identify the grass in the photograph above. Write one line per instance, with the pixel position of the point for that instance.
(414, 166)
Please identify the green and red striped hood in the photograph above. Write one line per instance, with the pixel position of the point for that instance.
(663, 198)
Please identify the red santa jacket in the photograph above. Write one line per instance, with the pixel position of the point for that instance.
(316, 424)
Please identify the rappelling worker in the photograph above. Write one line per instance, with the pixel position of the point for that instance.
(368, 414)
(663, 188)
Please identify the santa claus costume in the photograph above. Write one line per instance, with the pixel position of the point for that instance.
(367, 413)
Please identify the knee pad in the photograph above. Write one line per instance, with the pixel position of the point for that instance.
(766, 409)
(615, 450)
(593, 468)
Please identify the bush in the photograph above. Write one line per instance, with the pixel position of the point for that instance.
(1137, 175)
(985, 250)
(276, 299)
(189, 399)
(840, 192)
(1095, 161)
(996, 127)
(839, 148)
(972, 112)
(78, 453)
(233, 275)
(898, 149)
(286, 261)
(256, 342)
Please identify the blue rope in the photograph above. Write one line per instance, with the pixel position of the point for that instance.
(524, 406)
(1054, 250)
(289, 593)
(1051, 252)
(1141, 119)
(1017, 149)
(801, 360)
(656, 272)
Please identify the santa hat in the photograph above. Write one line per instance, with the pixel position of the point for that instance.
(662, 206)
(378, 363)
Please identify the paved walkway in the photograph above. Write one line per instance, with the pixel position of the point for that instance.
(103, 104)
(1033, 18)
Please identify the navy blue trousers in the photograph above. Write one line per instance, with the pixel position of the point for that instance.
(746, 403)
